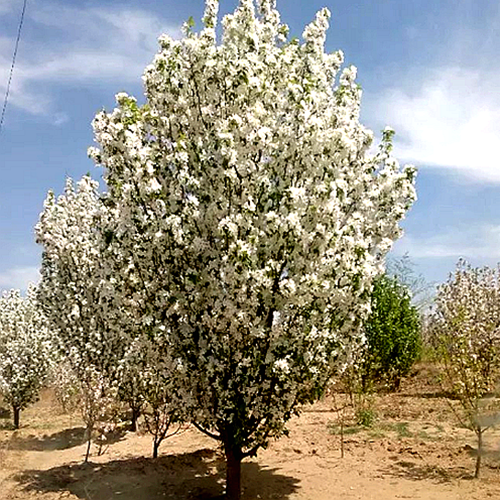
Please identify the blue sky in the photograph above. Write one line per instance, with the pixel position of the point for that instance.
(429, 69)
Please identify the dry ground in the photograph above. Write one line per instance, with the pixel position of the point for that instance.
(415, 450)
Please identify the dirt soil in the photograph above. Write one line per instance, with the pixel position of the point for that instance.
(414, 449)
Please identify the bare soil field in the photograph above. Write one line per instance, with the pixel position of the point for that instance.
(414, 450)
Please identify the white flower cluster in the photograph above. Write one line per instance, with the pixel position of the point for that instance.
(249, 217)
(25, 350)
(72, 229)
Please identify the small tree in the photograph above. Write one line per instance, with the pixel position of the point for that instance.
(130, 391)
(152, 373)
(392, 334)
(160, 412)
(251, 216)
(24, 350)
(72, 298)
(466, 325)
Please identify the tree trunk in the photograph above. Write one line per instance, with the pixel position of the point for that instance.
(17, 413)
(156, 445)
(87, 454)
(396, 384)
(135, 416)
(479, 452)
(342, 437)
(364, 384)
(233, 473)
(88, 434)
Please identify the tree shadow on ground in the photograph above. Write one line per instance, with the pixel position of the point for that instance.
(67, 438)
(320, 410)
(197, 476)
(62, 440)
(421, 472)
(438, 394)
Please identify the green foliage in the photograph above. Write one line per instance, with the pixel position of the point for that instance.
(366, 417)
(402, 428)
(393, 335)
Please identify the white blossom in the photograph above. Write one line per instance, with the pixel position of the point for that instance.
(75, 297)
(25, 349)
(466, 327)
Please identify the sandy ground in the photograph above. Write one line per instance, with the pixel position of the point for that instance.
(414, 450)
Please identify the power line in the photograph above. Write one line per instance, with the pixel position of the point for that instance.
(12, 65)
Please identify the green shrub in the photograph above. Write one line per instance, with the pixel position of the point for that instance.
(366, 417)
(393, 335)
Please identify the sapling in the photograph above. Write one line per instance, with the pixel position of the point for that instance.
(466, 325)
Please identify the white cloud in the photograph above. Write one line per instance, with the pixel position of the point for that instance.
(96, 45)
(8, 6)
(481, 241)
(446, 110)
(19, 278)
(448, 118)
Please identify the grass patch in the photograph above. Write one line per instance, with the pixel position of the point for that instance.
(348, 429)
(379, 430)
(366, 417)
(425, 436)
(400, 428)
(376, 433)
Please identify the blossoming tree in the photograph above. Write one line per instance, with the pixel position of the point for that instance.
(93, 315)
(252, 217)
(72, 297)
(466, 325)
(24, 350)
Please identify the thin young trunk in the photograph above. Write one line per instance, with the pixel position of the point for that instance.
(17, 413)
(135, 416)
(364, 384)
(233, 473)
(396, 384)
(479, 452)
(101, 445)
(342, 437)
(156, 445)
(87, 454)
(88, 435)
